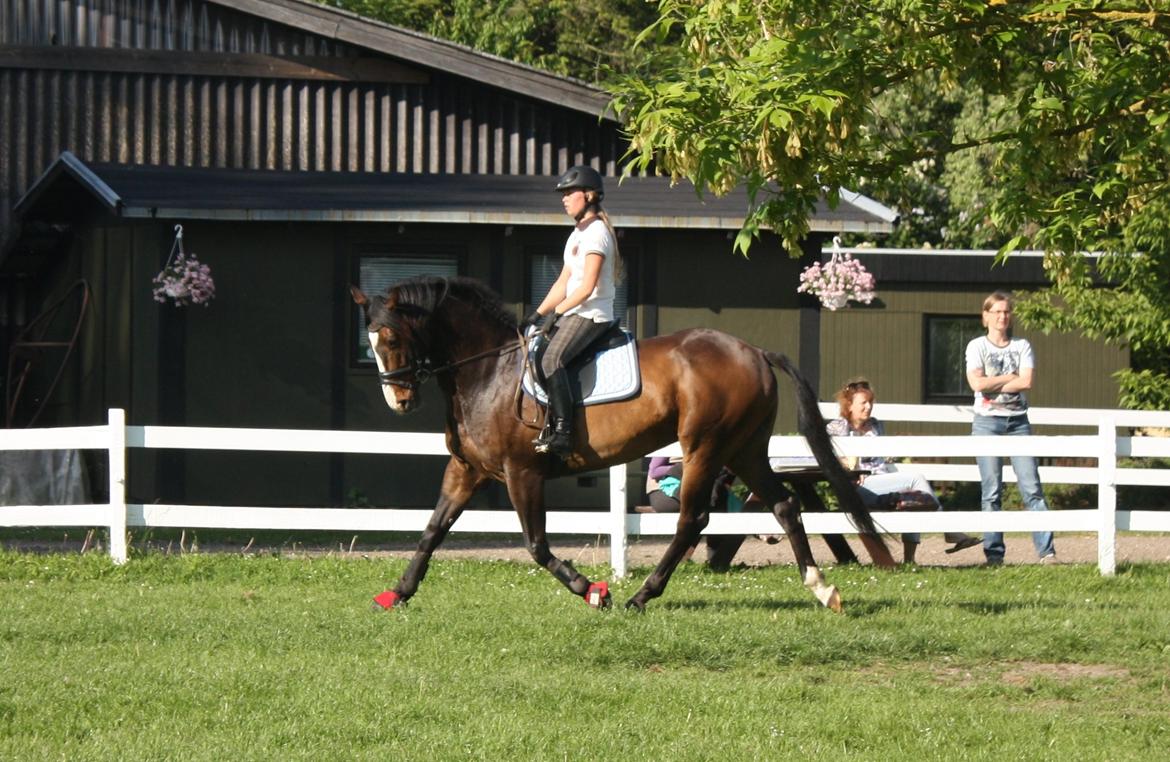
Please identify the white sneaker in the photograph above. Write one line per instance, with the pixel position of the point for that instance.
(1049, 559)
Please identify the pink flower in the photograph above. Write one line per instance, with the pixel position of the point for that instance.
(837, 282)
(186, 280)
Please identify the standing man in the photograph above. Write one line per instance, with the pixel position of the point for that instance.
(1000, 369)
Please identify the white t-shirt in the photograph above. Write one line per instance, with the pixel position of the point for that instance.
(997, 361)
(595, 238)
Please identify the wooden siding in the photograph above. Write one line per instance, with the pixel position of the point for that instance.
(701, 283)
(114, 81)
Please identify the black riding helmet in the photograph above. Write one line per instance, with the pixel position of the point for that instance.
(583, 177)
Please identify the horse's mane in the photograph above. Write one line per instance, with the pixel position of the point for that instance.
(424, 294)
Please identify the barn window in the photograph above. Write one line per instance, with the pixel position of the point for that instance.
(946, 344)
(543, 270)
(376, 273)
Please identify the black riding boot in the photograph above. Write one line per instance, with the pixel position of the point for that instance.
(557, 436)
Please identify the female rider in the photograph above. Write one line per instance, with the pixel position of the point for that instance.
(579, 306)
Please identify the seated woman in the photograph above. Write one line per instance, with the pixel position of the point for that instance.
(885, 486)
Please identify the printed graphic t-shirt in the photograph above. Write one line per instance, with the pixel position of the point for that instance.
(997, 361)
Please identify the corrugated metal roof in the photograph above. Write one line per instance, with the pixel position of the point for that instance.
(229, 194)
(439, 54)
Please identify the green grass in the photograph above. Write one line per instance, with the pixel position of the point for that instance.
(203, 656)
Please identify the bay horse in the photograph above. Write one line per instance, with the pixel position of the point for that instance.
(714, 394)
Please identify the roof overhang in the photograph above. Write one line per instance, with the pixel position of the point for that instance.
(222, 194)
(67, 181)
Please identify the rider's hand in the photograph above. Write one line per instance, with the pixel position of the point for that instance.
(549, 322)
(532, 319)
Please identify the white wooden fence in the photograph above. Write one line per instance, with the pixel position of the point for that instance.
(1111, 441)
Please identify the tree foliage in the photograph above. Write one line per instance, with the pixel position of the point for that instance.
(585, 39)
(1049, 116)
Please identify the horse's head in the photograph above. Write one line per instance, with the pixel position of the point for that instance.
(397, 338)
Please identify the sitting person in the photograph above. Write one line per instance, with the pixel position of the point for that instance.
(663, 479)
(884, 486)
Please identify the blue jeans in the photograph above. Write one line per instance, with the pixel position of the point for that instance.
(1027, 480)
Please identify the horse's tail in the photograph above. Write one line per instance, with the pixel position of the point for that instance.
(811, 425)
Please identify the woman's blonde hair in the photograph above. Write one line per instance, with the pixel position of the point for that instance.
(592, 198)
(848, 389)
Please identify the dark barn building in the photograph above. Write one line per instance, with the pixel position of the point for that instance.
(302, 149)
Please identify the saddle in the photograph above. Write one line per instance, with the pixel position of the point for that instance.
(607, 371)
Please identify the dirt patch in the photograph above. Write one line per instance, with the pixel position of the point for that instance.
(1025, 673)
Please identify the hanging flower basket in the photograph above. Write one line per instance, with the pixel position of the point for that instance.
(839, 281)
(184, 279)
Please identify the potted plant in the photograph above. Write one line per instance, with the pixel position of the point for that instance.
(839, 281)
(183, 279)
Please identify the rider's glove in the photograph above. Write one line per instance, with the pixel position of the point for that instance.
(532, 319)
(549, 322)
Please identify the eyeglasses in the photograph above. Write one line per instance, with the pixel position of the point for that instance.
(1000, 312)
(855, 385)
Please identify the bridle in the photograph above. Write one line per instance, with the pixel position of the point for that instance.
(423, 369)
(417, 372)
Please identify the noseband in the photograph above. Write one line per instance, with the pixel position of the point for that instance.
(420, 368)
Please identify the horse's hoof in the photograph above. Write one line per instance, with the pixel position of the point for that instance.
(386, 600)
(832, 600)
(635, 605)
(597, 596)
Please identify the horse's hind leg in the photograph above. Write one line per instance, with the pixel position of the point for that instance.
(698, 479)
(526, 490)
(758, 476)
(460, 482)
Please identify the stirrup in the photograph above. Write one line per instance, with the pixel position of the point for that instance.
(560, 443)
(553, 438)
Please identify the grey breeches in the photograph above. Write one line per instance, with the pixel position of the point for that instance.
(572, 335)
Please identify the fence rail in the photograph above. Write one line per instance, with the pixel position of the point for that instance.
(1104, 447)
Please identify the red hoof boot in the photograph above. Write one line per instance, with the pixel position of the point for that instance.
(386, 600)
(597, 595)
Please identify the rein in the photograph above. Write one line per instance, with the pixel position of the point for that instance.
(422, 369)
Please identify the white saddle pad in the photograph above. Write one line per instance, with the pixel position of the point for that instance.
(611, 375)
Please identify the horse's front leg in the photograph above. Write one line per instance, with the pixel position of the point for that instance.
(460, 481)
(526, 490)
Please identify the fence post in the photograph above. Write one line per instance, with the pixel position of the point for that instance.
(618, 539)
(1107, 497)
(117, 461)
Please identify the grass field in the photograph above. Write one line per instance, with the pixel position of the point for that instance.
(214, 656)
